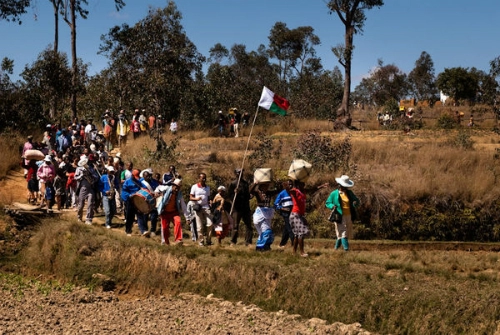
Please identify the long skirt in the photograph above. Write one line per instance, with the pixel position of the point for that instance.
(299, 225)
(265, 240)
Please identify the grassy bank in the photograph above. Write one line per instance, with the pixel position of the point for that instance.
(391, 291)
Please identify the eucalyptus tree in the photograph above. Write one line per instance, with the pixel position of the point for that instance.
(12, 10)
(422, 78)
(293, 48)
(317, 93)
(486, 87)
(73, 9)
(385, 83)
(458, 83)
(155, 61)
(352, 15)
(50, 78)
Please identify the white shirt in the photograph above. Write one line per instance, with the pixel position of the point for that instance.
(203, 192)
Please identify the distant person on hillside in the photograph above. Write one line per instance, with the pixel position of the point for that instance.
(245, 119)
(221, 124)
(173, 126)
(122, 128)
(471, 121)
(237, 121)
(344, 202)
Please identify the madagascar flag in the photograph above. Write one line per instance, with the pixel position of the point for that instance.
(273, 102)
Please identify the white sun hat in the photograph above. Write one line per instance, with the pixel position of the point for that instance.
(344, 181)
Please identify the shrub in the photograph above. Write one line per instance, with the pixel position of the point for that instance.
(446, 121)
(322, 153)
(462, 140)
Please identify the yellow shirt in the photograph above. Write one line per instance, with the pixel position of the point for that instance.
(346, 209)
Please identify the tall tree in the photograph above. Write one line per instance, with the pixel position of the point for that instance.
(155, 60)
(458, 83)
(422, 78)
(75, 8)
(11, 10)
(352, 15)
(57, 5)
(385, 83)
(50, 77)
(293, 48)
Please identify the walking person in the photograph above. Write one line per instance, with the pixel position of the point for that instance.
(108, 184)
(147, 182)
(130, 187)
(200, 194)
(344, 202)
(284, 204)
(263, 215)
(45, 175)
(221, 218)
(85, 190)
(237, 121)
(170, 207)
(241, 207)
(298, 222)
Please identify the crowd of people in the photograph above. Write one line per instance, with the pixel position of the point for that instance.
(74, 170)
(231, 124)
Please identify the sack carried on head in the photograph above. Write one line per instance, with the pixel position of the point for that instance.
(299, 170)
(263, 175)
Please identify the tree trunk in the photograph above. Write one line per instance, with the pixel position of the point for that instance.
(343, 113)
(55, 5)
(74, 76)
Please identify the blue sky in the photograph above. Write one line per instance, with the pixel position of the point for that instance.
(454, 32)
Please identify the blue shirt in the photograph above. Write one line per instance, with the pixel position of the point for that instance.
(283, 200)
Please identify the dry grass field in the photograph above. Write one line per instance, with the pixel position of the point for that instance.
(417, 286)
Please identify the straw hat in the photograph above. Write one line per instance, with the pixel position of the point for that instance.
(82, 162)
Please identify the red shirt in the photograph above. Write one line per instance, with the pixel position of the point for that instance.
(299, 201)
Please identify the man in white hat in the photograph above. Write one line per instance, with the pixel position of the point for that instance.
(169, 208)
(85, 190)
(344, 202)
(200, 194)
(108, 184)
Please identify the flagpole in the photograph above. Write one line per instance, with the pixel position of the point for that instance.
(243, 162)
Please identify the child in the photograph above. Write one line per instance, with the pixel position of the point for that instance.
(192, 221)
(222, 220)
(32, 187)
(59, 188)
